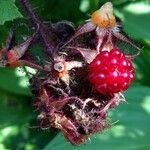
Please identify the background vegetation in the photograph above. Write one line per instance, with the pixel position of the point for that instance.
(17, 115)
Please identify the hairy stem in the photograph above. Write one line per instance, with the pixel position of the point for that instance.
(30, 12)
(44, 31)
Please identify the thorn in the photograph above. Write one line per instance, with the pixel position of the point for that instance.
(115, 122)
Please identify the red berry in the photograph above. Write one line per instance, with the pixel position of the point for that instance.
(111, 72)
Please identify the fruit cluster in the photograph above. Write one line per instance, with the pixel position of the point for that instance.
(82, 75)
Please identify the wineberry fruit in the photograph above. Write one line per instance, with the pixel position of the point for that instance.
(111, 72)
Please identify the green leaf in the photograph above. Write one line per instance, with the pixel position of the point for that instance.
(135, 18)
(59, 10)
(142, 68)
(8, 11)
(18, 125)
(13, 110)
(14, 81)
(130, 133)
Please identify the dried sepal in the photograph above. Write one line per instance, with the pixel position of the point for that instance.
(86, 28)
(60, 68)
(73, 116)
(104, 18)
(12, 56)
(22, 48)
(125, 39)
(87, 54)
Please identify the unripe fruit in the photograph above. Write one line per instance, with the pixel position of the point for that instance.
(12, 58)
(111, 72)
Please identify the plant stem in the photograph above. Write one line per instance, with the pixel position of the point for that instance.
(30, 12)
(44, 31)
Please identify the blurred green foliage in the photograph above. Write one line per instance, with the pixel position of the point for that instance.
(17, 116)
